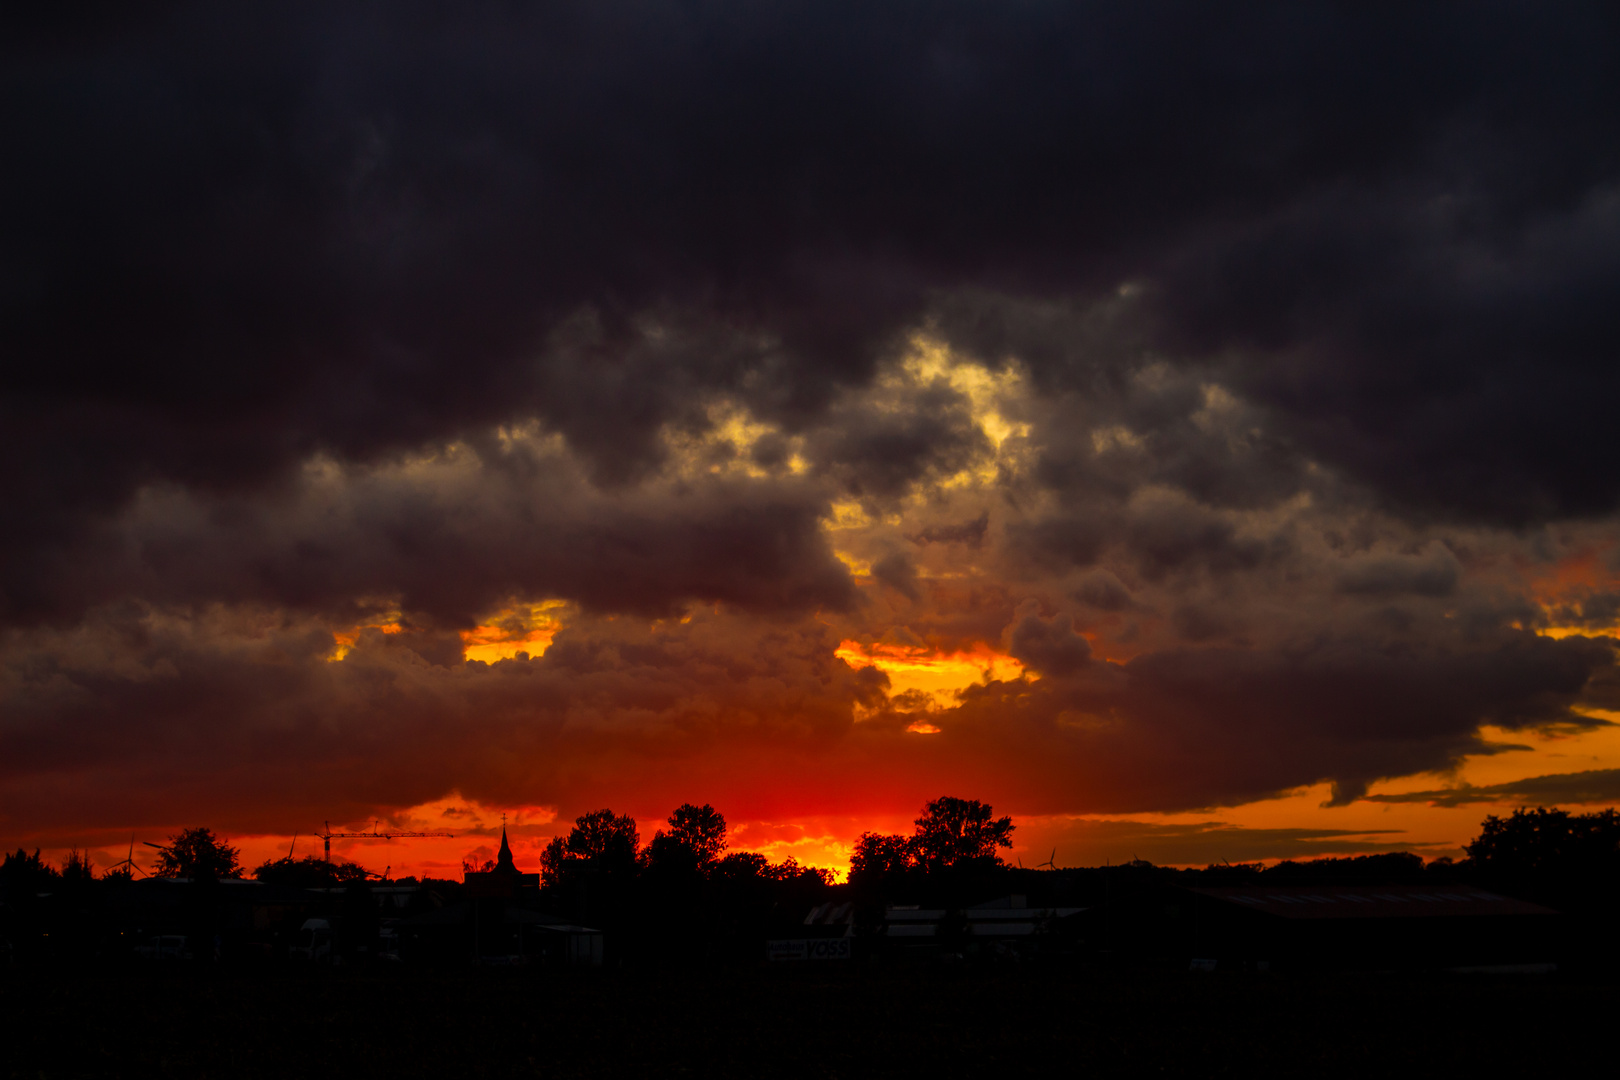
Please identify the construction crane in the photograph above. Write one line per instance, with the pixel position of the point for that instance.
(374, 834)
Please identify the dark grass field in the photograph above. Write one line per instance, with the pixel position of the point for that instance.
(801, 1022)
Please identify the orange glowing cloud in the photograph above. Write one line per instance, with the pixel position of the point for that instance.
(1583, 569)
(346, 640)
(525, 629)
(923, 670)
(1571, 596)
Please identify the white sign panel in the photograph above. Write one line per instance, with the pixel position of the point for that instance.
(808, 949)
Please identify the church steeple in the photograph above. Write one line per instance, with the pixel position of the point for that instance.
(503, 880)
(503, 861)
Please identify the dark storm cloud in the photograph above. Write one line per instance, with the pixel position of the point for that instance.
(242, 712)
(1591, 786)
(1432, 574)
(899, 573)
(1445, 344)
(1166, 537)
(1169, 536)
(1249, 328)
(235, 238)
(1597, 608)
(453, 537)
(1111, 416)
(1183, 729)
(1049, 647)
(880, 448)
(970, 533)
(1061, 540)
(1103, 591)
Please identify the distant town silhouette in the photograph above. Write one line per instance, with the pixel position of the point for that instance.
(1536, 888)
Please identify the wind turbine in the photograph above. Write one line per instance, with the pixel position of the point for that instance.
(1050, 861)
(129, 861)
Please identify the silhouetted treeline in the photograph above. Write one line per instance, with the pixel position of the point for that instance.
(684, 897)
(311, 872)
(952, 857)
(1566, 861)
(680, 895)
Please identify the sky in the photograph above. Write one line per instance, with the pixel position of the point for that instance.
(1188, 428)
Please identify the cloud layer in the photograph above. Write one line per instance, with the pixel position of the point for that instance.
(1243, 376)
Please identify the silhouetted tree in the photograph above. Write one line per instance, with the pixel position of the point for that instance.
(954, 831)
(954, 849)
(879, 858)
(1567, 860)
(751, 898)
(77, 870)
(741, 866)
(752, 866)
(591, 871)
(197, 853)
(1546, 841)
(23, 875)
(600, 840)
(309, 872)
(790, 870)
(696, 837)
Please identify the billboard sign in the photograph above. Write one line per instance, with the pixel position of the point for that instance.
(808, 949)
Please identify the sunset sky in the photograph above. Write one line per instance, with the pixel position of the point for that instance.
(1188, 428)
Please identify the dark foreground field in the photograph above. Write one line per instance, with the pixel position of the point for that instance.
(798, 1023)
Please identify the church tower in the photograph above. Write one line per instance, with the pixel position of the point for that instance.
(503, 861)
(505, 880)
